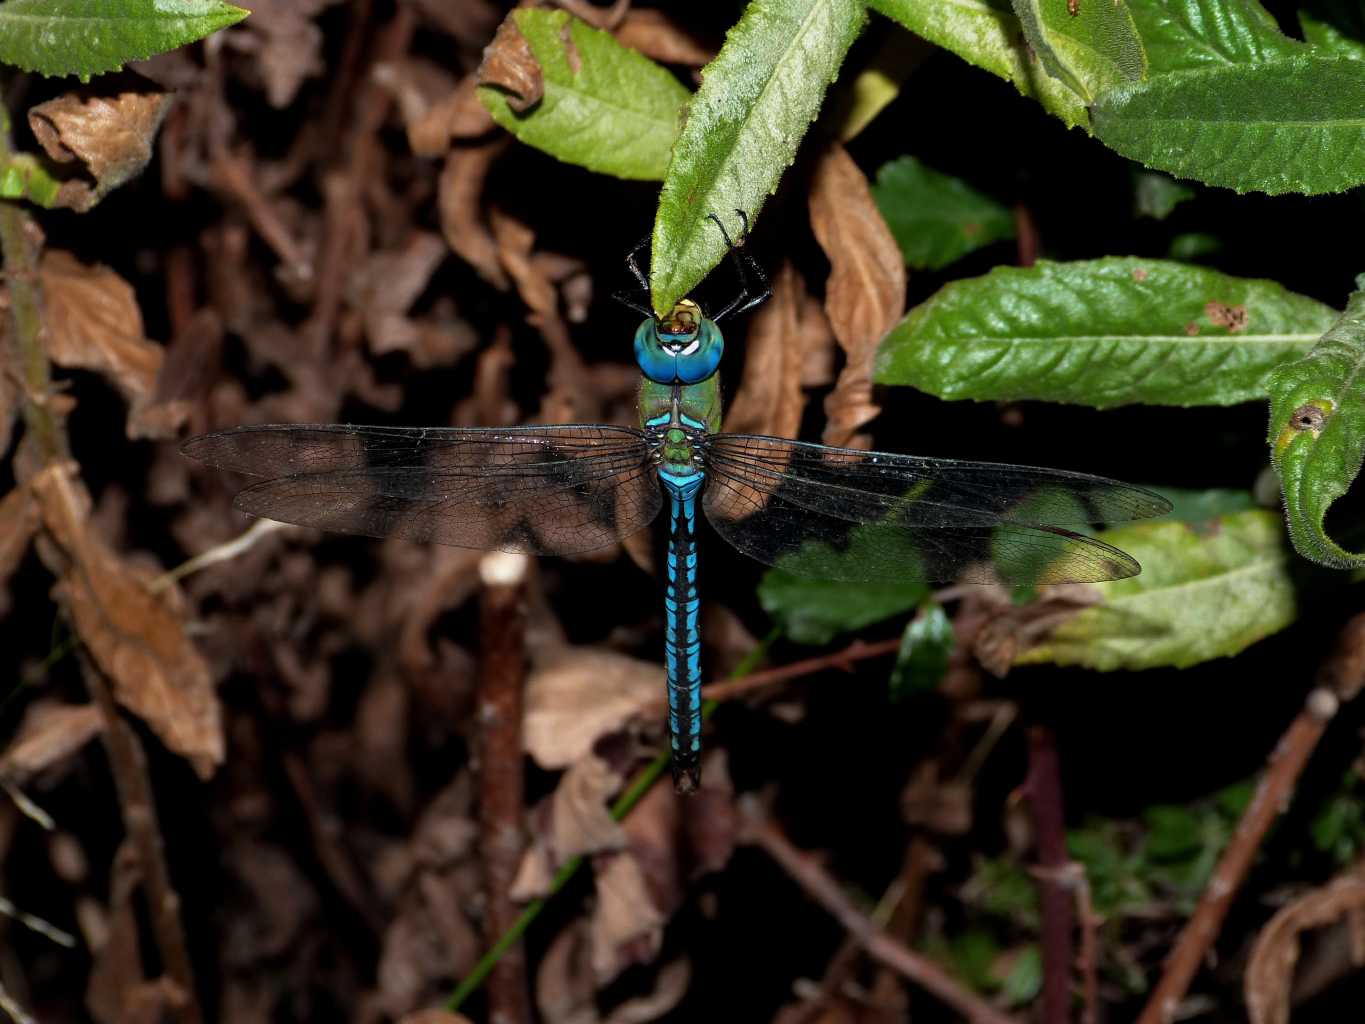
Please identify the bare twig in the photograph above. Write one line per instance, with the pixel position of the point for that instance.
(820, 886)
(129, 764)
(1339, 679)
(1043, 788)
(845, 659)
(502, 680)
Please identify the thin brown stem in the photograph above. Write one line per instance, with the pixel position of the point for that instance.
(845, 659)
(1044, 791)
(820, 886)
(1339, 679)
(502, 682)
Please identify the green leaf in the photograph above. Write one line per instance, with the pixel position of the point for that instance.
(606, 107)
(1203, 593)
(743, 126)
(811, 611)
(1101, 333)
(1091, 45)
(936, 218)
(1183, 35)
(23, 177)
(1207, 504)
(923, 657)
(1155, 194)
(1336, 26)
(1317, 431)
(986, 33)
(1293, 125)
(89, 37)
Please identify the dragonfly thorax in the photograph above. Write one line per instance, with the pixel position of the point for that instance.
(683, 347)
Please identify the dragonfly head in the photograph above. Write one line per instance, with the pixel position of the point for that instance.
(683, 347)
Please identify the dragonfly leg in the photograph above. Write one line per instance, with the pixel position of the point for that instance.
(623, 297)
(740, 257)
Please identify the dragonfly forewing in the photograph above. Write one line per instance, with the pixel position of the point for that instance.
(539, 490)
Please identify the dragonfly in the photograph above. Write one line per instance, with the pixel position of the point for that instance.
(809, 509)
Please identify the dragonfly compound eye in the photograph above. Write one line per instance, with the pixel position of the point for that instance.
(681, 348)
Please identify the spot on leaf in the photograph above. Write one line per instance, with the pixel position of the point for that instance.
(1139, 274)
(509, 65)
(1220, 314)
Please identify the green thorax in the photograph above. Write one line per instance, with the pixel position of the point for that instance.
(677, 409)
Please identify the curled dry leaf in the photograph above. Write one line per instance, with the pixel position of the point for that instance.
(564, 988)
(580, 822)
(626, 927)
(50, 733)
(580, 694)
(509, 65)
(769, 399)
(669, 990)
(111, 135)
(660, 38)
(93, 322)
(1270, 972)
(133, 634)
(865, 293)
(460, 195)
(434, 108)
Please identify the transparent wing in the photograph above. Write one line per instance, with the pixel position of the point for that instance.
(539, 490)
(839, 513)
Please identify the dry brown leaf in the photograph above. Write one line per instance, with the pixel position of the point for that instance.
(580, 821)
(769, 399)
(111, 135)
(18, 522)
(427, 941)
(385, 290)
(570, 398)
(509, 65)
(50, 733)
(286, 43)
(1270, 971)
(669, 990)
(434, 107)
(133, 635)
(564, 988)
(187, 372)
(578, 695)
(460, 195)
(865, 293)
(660, 38)
(626, 928)
(94, 323)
